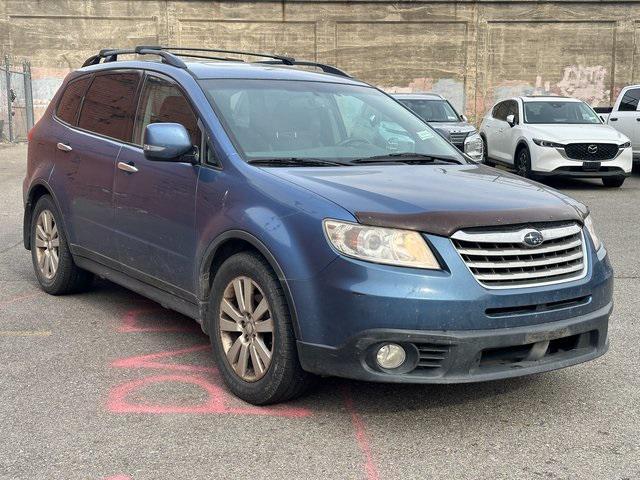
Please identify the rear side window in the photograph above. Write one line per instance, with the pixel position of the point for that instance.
(71, 99)
(109, 105)
(500, 111)
(629, 102)
(163, 102)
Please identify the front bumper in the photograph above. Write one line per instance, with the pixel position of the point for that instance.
(465, 356)
(546, 161)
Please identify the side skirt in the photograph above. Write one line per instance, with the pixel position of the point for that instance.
(163, 297)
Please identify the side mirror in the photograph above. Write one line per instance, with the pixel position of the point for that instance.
(464, 118)
(511, 120)
(166, 142)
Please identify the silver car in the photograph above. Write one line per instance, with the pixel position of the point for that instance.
(440, 114)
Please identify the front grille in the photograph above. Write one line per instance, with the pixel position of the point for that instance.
(591, 151)
(499, 258)
(458, 138)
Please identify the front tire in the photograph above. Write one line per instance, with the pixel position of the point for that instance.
(613, 182)
(523, 163)
(251, 333)
(52, 261)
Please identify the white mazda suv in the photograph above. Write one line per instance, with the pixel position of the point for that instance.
(541, 136)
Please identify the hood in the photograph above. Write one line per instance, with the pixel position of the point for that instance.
(437, 199)
(577, 133)
(453, 127)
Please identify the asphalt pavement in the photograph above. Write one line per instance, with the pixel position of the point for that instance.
(109, 385)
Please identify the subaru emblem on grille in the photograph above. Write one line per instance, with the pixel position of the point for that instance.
(592, 148)
(532, 238)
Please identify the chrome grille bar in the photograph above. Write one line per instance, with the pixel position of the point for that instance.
(502, 259)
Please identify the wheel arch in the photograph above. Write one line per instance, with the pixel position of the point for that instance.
(522, 143)
(39, 189)
(223, 247)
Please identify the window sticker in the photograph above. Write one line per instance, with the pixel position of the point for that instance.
(424, 134)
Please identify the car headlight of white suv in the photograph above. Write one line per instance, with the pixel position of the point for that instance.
(547, 143)
(473, 146)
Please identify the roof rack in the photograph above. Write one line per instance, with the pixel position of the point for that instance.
(170, 55)
(111, 55)
(325, 68)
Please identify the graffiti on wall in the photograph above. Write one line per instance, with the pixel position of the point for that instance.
(452, 90)
(588, 83)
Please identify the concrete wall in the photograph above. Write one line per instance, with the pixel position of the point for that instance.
(473, 51)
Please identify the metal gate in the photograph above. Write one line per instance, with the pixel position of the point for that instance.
(16, 101)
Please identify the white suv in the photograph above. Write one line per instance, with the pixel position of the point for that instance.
(540, 136)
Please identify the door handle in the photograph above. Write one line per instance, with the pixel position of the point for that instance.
(63, 147)
(126, 167)
(613, 119)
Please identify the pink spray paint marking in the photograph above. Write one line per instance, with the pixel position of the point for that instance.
(4, 303)
(217, 401)
(371, 471)
(131, 322)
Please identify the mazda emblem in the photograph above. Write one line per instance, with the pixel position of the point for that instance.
(592, 148)
(532, 238)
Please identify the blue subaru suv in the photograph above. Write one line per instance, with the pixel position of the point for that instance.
(309, 222)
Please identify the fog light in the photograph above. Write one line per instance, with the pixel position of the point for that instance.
(391, 355)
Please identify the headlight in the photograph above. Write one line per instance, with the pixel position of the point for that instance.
(473, 146)
(380, 245)
(625, 145)
(546, 143)
(592, 232)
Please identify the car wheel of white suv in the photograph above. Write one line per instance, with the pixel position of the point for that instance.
(485, 154)
(523, 162)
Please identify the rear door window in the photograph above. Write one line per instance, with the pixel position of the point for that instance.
(109, 105)
(629, 102)
(71, 100)
(163, 102)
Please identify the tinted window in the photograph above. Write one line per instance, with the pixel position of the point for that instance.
(109, 106)
(512, 109)
(629, 102)
(71, 99)
(432, 110)
(161, 102)
(559, 112)
(500, 111)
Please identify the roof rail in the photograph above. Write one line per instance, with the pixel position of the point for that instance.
(170, 55)
(282, 58)
(325, 68)
(111, 55)
(275, 59)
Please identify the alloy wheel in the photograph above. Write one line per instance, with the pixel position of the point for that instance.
(47, 244)
(522, 164)
(246, 329)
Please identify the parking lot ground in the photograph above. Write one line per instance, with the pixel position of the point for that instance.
(108, 385)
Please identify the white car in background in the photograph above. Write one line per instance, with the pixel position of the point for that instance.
(542, 136)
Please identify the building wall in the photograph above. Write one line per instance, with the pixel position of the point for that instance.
(472, 51)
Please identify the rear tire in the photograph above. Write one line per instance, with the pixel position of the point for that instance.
(485, 154)
(52, 261)
(613, 182)
(257, 358)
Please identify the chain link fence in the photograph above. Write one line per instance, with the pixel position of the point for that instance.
(16, 101)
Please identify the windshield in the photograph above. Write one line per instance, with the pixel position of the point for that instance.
(559, 112)
(432, 110)
(283, 119)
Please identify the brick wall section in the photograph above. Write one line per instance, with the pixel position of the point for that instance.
(473, 51)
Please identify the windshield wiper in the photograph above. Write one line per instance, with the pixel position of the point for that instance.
(408, 157)
(295, 162)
